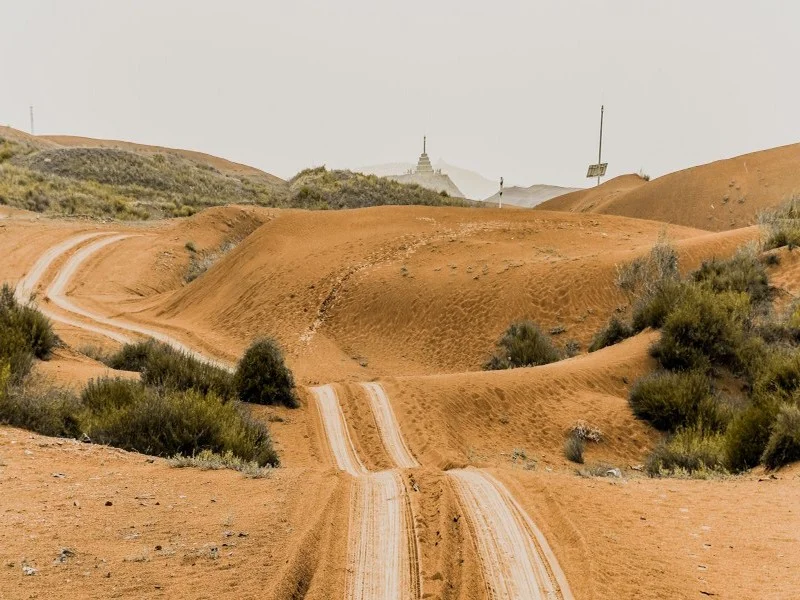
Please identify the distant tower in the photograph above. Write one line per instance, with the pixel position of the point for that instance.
(424, 164)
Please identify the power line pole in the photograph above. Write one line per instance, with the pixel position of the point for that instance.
(500, 203)
(600, 151)
(31, 119)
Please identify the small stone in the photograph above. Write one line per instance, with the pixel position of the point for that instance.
(109, 503)
(28, 570)
(242, 534)
(59, 475)
(614, 473)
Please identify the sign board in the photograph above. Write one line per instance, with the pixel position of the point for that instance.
(597, 170)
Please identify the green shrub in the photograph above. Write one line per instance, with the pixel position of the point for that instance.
(743, 272)
(643, 274)
(653, 307)
(163, 366)
(48, 411)
(523, 345)
(670, 401)
(747, 436)
(690, 451)
(783, 446)
(614, 332)
(25, 333)
(127, 415)
(573, 449)
(262, 376)
(705, 329)
(778, 375)
(781, 226)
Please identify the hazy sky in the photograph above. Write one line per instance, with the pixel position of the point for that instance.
(504, 88)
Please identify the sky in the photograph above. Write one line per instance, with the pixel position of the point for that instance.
(508, 89)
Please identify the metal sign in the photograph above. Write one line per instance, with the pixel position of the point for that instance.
(597, 170)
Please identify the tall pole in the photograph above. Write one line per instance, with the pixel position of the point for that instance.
(500, 203)
(600, 151)
(31, 119)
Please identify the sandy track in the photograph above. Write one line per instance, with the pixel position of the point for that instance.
(27, 285)
(518, 563)
(387, 425)
(57, 293)
(339, 441)
(382, 550)
(383, 562)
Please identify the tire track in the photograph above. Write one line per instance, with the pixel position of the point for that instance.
(383, 562)
(339, 441)
(517, 561)
(385, 418)
(57, 293)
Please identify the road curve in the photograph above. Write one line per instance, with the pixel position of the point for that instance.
(387, 426)
(57, 292)
(517, 561)
(27, 285)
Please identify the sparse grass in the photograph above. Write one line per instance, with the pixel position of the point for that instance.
(523, 344)
(206, 460)
(200, 262)
(163, 366)
(640, 275)
(263, 377)
(781, 226)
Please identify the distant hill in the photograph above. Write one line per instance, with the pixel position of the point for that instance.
(722, 195)
(473, 185)
(84, 177)
(528, 197)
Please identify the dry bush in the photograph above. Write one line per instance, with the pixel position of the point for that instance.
(523, 344)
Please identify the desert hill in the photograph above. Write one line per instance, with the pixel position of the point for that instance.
(721, 195)
(83, 177)
(408, 295)
(528, 197)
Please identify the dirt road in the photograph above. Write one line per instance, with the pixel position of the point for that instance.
(382, 557)
(57, 293)
(383, 560)
(336, 432)
(518, 563)
(387, 425)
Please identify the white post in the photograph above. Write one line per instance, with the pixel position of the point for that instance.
(500, 203)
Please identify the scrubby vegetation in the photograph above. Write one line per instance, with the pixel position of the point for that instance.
(165, 422)
(25, 334)
(163, 366)
(718, 332)
(573, 449)
(613, 333)
(321, 188)
(181, 406)
(125, 184)
(523, 344)
(263, 377)
(781, 226)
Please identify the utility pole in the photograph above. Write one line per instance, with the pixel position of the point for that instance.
(599, 169)
(600, 151)
(500, 203)
(31, 119)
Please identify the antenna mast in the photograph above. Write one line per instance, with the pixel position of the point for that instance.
(600, 151)
(31, 119)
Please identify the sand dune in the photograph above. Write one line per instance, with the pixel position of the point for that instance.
(721, 195)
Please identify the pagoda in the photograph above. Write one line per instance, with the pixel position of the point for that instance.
(424, 163)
